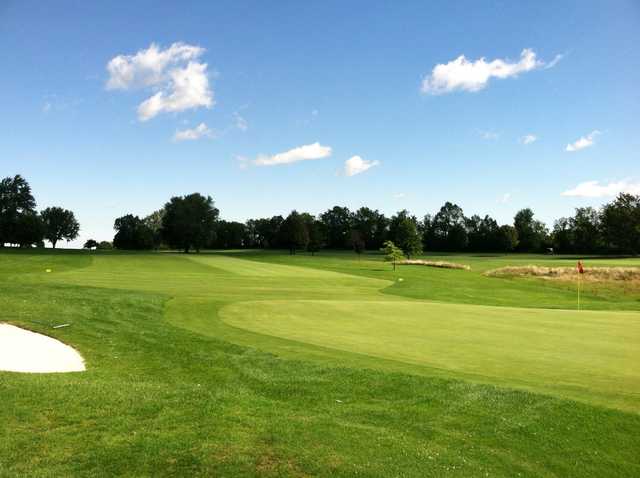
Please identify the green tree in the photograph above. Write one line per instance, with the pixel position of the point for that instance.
(392, 253)
(15, 200)
(59, 224)
(447, 231)
(132, 233)
(532, 234)
(403, 231)
(154, 222)
(189, 222)
(337, 221)
(357, 242)
(29, 230)
(621, 224)
(105, 246)
(293, 232)
(372, 225)
(507, 238)
(90, 244)
(317, 236)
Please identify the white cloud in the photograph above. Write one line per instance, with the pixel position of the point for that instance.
(584, 142)
(506, 197)
(462, 74)
(179, 82)
(528, 139)
(239, 122)
(301, 153)
(399, 195)
(593, 189)
(200, 131)
(46, 107)
(489, 135)
(356, 165)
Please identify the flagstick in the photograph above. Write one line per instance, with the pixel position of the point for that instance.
(579, 284)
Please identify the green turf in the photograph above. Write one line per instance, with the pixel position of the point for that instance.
(366, 375)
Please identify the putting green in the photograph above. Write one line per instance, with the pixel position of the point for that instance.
(585, 355)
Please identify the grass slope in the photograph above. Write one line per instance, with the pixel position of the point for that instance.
(167, 393)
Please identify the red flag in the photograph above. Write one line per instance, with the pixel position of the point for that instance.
(580, 268)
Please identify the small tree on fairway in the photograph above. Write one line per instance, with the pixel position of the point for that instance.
(59, 224)
(392, 253)
(91, 244)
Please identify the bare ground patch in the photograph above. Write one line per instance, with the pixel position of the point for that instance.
(438, 264)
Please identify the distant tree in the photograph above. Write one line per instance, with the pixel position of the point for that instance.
(266, 231)
(621, 224)
(15, 200)
(189, 222)
(357, 242)
(392, 253)
(132, 233)
(90, 244)
(587, 231)
(337, 221)
(562, 236)
(532, 234)
(447, 229)
(372, 225)
(29, 230)
(230, 235)
(317, 236)
(294, 233)
(403, 231)
(154, 222)
(105, 246)
(59, 224)
(507, 238)
(482, 234)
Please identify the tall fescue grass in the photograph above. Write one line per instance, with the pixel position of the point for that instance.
(596, 274)
(439, 264)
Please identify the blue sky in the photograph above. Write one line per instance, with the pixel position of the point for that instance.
(99, 102)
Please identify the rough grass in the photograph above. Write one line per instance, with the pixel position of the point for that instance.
(438, 264)
(171, 390)
(597, 274)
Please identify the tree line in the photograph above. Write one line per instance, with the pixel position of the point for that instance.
(22, 225)
(192, 222)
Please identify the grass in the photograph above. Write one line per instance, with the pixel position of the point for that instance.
(262, 364)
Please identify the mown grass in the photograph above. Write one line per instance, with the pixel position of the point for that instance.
(161, 398)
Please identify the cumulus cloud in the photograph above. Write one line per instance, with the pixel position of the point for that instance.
(180, 81)
(301, 153)
(356, 165)
(584, 142)
(239, 122)
(528, 139)
(489, 135)
(200, 131)
(593, 189)
(465, 75)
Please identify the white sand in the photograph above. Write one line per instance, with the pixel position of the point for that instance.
(25, 351)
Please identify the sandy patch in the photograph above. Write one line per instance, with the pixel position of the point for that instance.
(25, 351)
(438, 264)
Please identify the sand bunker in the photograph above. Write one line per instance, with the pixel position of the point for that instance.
(25, 351)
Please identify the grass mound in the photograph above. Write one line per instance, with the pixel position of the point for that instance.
(439, 264)
(598, 274)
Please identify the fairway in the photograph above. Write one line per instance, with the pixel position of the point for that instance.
(265, 364)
